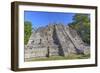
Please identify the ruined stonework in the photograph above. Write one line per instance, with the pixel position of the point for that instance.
(55, 40)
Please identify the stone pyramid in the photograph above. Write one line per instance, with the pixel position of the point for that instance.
(55, 40)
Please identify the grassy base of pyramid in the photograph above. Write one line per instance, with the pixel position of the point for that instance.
(69, 57)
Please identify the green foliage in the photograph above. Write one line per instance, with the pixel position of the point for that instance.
(81, 22)
(69, 57)
(27, 31)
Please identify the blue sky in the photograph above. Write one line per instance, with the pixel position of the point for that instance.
(39, 19)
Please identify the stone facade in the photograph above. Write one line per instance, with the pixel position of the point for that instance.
(55, 40)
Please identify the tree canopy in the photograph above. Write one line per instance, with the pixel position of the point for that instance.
(81, 23)
(27, 31)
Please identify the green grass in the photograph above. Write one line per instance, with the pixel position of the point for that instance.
(69, 57)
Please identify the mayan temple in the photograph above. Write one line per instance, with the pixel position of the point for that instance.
(55, 40)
